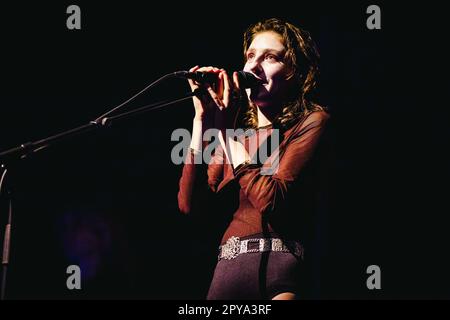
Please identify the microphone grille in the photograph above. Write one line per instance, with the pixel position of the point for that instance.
(247, 79)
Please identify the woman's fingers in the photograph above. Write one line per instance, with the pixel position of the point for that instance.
(191, 82)
(215, 97)
(224, 91)
(194, 84)
(208, 69)
(236, 81)
(228, 89)
(219, 85)
(231, 90)
(215, 93)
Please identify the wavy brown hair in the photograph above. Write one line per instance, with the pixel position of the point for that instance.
(302, 59)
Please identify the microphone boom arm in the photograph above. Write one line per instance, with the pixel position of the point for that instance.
(26, 149)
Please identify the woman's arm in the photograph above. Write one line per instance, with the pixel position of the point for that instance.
(198, 180)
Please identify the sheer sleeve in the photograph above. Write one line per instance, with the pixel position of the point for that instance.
(199, 181)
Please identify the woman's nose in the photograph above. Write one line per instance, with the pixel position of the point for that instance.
(254, 66)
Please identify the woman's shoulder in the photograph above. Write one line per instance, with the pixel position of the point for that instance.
(315, 118)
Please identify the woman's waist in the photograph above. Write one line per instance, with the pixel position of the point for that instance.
(256, 233)
(258, 243)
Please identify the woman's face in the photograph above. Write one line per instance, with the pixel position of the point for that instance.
(265, 59)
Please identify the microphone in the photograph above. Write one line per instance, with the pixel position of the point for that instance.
(246, 79)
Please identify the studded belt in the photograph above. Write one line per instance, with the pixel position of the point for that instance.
(235, 246)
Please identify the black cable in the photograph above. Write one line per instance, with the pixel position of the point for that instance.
(135, 96)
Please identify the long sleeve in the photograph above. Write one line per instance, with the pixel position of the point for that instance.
(267, 192)
(199, 180)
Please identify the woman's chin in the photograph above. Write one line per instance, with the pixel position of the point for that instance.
(259, 98)
(262, 101)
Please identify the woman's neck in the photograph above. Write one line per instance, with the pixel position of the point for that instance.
(266, 117)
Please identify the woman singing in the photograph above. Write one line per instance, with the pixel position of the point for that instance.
(269, 199)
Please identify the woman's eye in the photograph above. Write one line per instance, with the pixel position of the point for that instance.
(271, 57)
(250, 56)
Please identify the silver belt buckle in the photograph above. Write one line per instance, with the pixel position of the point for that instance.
(234, 246)
(231, 248)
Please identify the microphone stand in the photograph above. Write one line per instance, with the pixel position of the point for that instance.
(25, 150)
(7, 234)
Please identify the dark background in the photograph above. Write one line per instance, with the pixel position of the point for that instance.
(107, 200)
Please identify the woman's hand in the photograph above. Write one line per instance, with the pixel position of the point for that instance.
(227, 100)
(221, 105)
(203, 105)
(221, 101)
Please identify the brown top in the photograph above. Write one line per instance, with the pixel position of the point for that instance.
(279, 203)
